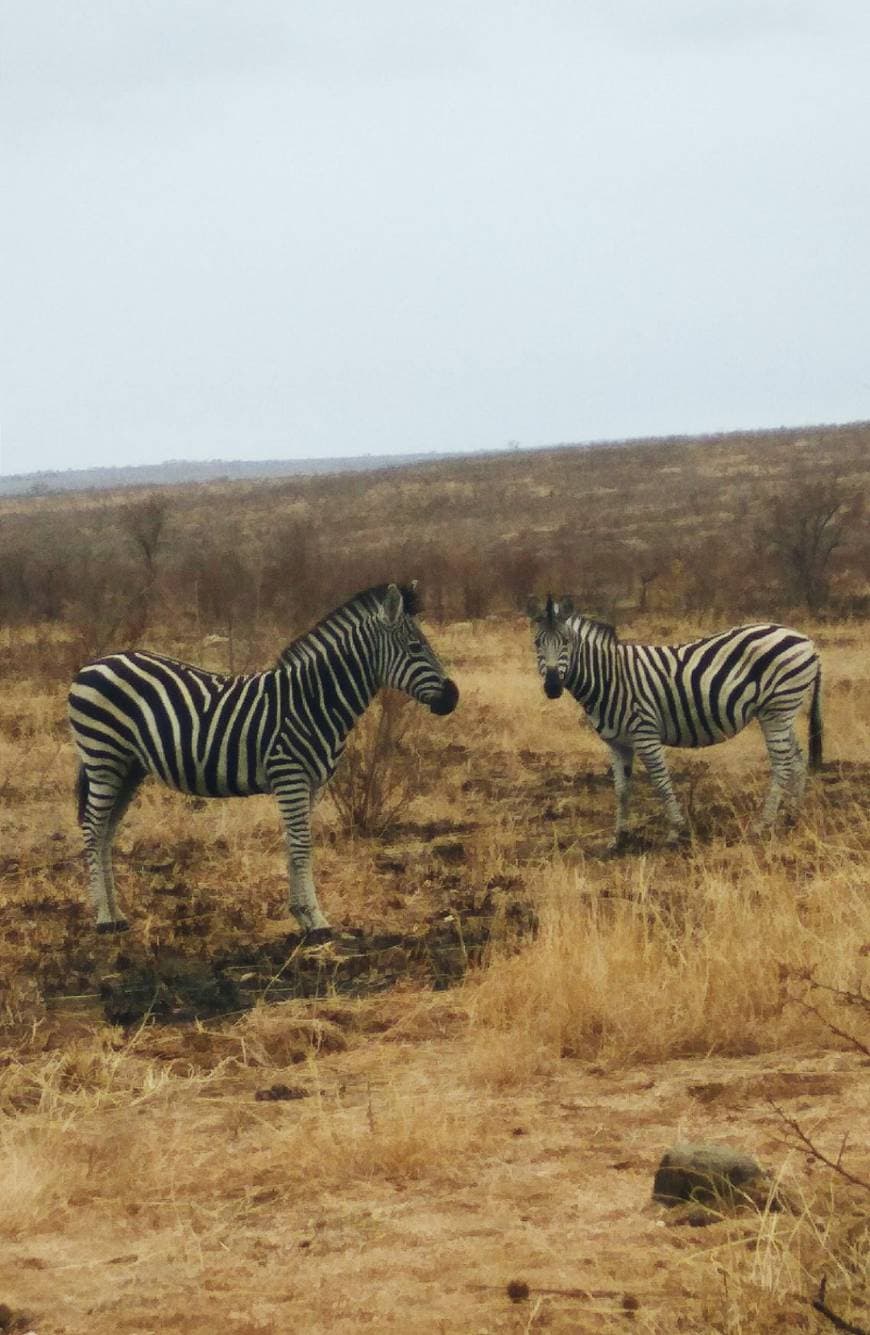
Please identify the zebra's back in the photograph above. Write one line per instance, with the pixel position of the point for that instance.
(707, 690)
(197, 731)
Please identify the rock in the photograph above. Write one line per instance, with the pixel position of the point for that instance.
(702, 1173)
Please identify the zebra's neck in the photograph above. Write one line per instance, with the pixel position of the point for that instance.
(593, 675)
(336, 663)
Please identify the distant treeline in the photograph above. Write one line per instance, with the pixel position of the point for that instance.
(763, 524)
(176, 472)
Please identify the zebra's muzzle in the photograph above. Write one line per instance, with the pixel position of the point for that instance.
(445, 703)
(552, 684)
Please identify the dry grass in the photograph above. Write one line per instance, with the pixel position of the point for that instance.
(646, 971)
(392, 1161)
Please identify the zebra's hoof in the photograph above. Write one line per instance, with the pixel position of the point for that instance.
(107, 928)
(618, 845)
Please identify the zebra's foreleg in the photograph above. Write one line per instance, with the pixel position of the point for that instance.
(652, 754)
(295, 799)
(621, 758)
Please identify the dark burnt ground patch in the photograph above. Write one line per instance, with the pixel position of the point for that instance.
(131, 985)
(194, 951)
(204, 939)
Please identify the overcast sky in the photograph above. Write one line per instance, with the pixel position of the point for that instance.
(253, 229)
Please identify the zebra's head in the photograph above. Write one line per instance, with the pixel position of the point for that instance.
(553, 641)
(408, 662)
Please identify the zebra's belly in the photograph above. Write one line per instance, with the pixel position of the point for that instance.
(226, 788)
(701, 738)
(701, 733)
(199, 780)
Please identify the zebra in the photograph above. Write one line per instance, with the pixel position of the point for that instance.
(641, 698)
(280, 731)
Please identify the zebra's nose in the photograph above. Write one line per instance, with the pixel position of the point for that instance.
(445, 703)
(552, 684)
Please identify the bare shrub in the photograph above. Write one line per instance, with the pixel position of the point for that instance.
(379, 769)
(291, 563)
(520, 565)
(844, 1012)
(144, 522)
(106, 603)
(226, 595)
(803, 528)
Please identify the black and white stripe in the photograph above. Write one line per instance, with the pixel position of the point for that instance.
(281, 731)
(641, 698)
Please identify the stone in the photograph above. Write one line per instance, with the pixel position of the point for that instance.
(703, 1173)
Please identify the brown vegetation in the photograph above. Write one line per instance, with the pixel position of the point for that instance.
(736, 526)
(388, 1153)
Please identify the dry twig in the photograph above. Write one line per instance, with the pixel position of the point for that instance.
(838, 1322)
(836, 1165)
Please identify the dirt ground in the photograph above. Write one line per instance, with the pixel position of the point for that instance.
(413, 1132)
(551, 1190)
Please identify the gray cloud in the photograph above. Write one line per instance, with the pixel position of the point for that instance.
(304, 229)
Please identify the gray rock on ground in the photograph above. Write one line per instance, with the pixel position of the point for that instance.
(710, 1174)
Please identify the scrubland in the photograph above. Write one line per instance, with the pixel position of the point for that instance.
(509, 1027)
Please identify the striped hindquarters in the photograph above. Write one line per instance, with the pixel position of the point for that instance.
(197, 731)
(706, 691)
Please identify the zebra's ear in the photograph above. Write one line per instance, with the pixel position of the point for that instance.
(393, 605)
(566, 606)
(534, 608)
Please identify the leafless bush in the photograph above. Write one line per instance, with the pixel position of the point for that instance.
(144, 522)
(379, 770)
(845, 1013)
(679, 527)
(803, 527)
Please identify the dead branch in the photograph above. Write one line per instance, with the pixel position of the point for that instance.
(835, 1165)
(837, 1322)
(852, 1039)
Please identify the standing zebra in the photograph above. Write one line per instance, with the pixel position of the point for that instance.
(643, 697)
(281, 731)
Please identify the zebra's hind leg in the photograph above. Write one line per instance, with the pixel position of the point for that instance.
(652, 754)
(621, 758)
(295, 799)
(787, 766)
(104, 795)
(798, 773)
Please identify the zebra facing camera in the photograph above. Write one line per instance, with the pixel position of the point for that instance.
(552, 684)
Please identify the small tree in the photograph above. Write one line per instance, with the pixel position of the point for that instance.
(379, 770)
(144, 522)
(803, 528)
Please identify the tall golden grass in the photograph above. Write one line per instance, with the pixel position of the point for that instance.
(429, 1147)
(682, 964)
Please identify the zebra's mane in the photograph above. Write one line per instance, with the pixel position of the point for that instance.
(605, 628)
(357, 608)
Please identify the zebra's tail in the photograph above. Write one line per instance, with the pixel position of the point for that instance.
(816, 722)
(82, 792)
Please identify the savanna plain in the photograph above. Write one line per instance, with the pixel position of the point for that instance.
(448, 1118)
